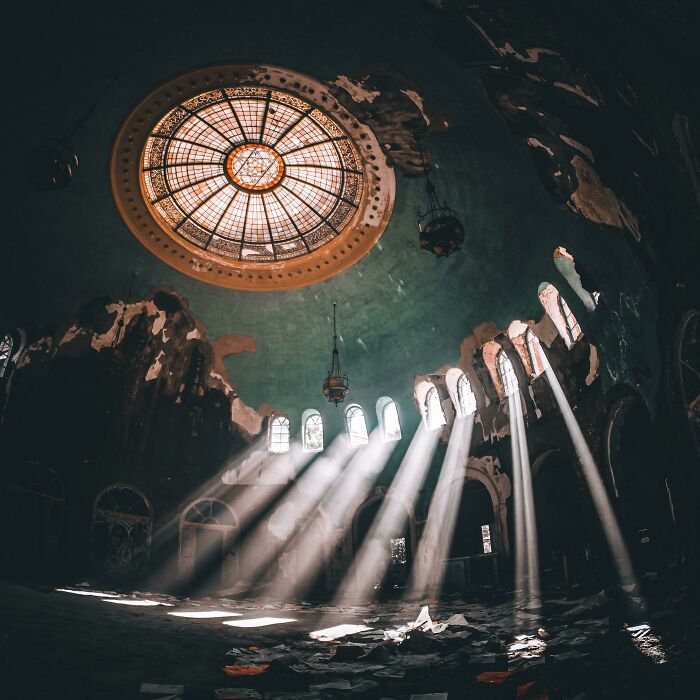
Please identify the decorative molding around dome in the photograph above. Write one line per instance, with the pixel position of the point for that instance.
(251, 177)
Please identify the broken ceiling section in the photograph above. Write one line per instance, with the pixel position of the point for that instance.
(593, 148)
(156, 346)
(396, 112)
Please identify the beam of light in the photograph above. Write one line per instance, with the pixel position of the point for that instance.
(595, 484)
(96, 594)
(259, 622)
(204, 614)
(372, 560)
(532, 562)
(434, 547)
(357, 478)
(257, 553)
(518, 505)
(331, 633)
(271, 472)
(140, 603)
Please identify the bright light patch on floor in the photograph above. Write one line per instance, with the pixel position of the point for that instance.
(331, 633)
(143, 603)
(96, 594)
(648, 643)
(204, 614)
(259, 621)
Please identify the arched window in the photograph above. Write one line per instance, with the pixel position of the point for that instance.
(434, 415)
(506, 374)
(388, 417)
(466, 400)
(5, 353)
(534, 352)
(356, 425)
(279, 434)
(312, 436)
(121, 529)
(572, 328)
(560, 313)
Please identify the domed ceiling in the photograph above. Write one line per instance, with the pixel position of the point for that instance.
(402, 312)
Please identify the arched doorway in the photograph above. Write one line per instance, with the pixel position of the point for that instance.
(33, 516)
(122, 522)
(207, 535)
(562, 533)
(397, 546)
(471, 559)
(634, 461)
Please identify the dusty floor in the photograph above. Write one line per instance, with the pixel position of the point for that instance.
(60, 645)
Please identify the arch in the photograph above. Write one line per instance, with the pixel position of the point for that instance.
(461, 392)
(487, 471)
(388, 418)
(122, 523)
(398, 550)
(534, 353)
(278, 433)
(474, 532)
(506, 374)
(562, 522)
(312, 431)
(208, 529)
(6, 353)
(430, 405)
(634, 459)
(558, 310)
(33, 520)
(356, 425)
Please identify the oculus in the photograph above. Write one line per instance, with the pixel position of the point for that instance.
(251, 177)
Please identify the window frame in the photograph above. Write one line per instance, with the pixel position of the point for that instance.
(282, 420)
(353, 438)
(312, 416)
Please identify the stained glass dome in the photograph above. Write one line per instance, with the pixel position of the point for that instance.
(252, 173)
(268, 183)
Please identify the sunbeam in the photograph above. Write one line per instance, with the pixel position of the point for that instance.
(373, 557)
(428, 566)
(358, 476)
(611, 528)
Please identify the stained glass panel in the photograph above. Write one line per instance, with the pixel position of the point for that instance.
(259, 168)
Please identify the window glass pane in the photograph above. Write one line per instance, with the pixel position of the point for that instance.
(572, 326)
(434, 414)
(486, 538)
(279, 434)
(398, 550)
(465, 398)
(5, 353)
(507, 374)
(313, 433)
(535, 353)
(392, 427)
(356, 426)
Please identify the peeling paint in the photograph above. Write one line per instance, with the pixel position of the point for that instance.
(156, 367)
(577, 90)
(594, 365)
(418, 101)
(356, 90)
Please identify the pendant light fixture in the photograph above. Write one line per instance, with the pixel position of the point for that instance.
(441, 233)
(335, 386)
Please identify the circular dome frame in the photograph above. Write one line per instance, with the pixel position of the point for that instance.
(349, 245)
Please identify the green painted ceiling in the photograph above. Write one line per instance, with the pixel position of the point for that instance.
(402, 312)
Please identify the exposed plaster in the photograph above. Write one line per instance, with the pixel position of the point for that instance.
(418, 101)
(356, 89)
(576, 90)
(594, 365)
(154, 370)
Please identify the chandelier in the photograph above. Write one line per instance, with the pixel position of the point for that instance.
(441, 233)
(335, 385)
